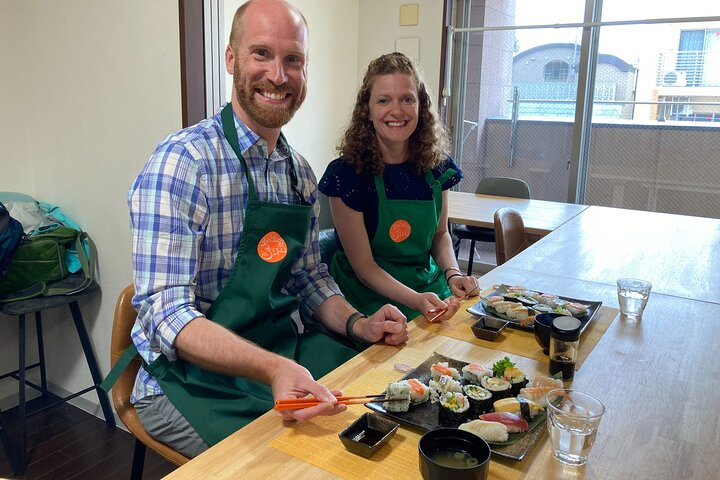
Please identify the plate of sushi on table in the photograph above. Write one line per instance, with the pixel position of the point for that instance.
(519, 305)
(495, 402)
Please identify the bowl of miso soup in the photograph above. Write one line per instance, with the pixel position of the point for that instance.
(449, 453)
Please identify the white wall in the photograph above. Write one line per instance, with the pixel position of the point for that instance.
(88, 89)
(379, 28)
(317, 126)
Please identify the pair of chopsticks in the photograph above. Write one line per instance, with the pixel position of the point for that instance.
(298, 403)
(440, 313)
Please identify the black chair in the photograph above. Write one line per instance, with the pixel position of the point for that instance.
(501, 186)
(37, 305)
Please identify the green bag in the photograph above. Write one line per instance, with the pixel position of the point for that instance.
(39, 262)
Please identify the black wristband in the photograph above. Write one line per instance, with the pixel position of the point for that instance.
(352, 319)
(454, 275)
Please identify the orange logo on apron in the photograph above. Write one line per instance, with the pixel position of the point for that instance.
(272, 248)
(399, 231)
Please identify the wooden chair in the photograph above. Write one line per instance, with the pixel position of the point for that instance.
(510, 235)
(502, 186)
(125, 316)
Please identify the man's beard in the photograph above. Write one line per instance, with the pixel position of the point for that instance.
(267, 116)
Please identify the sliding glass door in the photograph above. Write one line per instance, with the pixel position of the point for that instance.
(606, 103)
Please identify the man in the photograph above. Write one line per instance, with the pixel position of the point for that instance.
(225, 235)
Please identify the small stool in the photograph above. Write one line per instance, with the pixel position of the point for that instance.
(37, 305)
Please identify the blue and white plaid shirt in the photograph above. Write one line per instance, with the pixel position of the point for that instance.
(187, 209)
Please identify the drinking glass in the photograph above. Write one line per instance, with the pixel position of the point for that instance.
(633, 295)
(573, 418)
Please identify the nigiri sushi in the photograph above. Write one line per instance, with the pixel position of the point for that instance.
(514, 423)
(576, 309)
(527, 408)
(488, 431)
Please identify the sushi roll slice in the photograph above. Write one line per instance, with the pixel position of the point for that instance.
(454, 407)
(399, 393)
(498, 387)
(493, 432)
(480, 399)
(439, 369)
(474, 373)
(444, 384)
(516, 378)
(419, 392)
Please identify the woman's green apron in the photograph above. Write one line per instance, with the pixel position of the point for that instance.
(252, 305)
(401, 246)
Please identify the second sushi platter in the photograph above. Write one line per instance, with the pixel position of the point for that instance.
(429, 415)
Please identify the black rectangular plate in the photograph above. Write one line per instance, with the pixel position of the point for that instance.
(425, 415)
(479, 309)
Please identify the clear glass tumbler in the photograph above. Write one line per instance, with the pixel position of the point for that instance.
(633, 295)
(573, 418)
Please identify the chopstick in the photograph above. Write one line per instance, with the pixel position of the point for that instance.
(297, 403)
(440, 313)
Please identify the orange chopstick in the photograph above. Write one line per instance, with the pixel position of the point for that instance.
(297, 403)
(439, 314)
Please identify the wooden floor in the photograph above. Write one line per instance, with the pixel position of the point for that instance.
(65, 442)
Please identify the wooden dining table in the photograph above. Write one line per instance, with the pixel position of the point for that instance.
(657, 377)
(540, 216)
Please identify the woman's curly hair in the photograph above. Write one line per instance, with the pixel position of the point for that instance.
(428, 144)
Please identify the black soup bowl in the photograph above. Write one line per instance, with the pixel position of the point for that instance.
(543, 325)
(452, 454)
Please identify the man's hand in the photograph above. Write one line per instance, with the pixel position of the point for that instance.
(291, 380)
(387, 324)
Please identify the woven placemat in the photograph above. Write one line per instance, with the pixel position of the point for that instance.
(515, 340)
(317, 441)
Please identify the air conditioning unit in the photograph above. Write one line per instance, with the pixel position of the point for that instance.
(675, 78)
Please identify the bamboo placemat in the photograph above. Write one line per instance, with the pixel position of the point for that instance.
(515, 340)
(317, 441)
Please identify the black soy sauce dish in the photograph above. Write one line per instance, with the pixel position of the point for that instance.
(367, 434)
(488, 328)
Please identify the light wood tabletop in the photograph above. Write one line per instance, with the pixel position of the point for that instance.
(657, 379)
(679, 255)
(540, 216)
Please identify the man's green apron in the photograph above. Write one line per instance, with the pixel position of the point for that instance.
(252, 305)
(401, 246)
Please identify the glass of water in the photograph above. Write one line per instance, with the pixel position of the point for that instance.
(633, 295)
(573, 418)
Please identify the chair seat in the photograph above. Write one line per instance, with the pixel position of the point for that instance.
(479, 234)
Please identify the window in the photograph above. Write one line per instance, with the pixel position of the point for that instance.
(556, 71)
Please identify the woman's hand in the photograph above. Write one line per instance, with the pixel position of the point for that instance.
(431, 307)
(462, 285)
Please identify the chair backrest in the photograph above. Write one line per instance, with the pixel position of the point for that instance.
(125, 316)
(328, 245)
(505, 186)
(510, 235)
(325, 219)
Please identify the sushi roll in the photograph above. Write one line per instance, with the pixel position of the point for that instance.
(454, 407)
(439, 369)
(419, 392)
(526, 408)
(498, 387)
(493, 432)
(480, 399)
(399, 393)
(473, 373)
(444, 384)
(516, 378)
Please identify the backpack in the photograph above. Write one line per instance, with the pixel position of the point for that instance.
(39, 263)
(11, 233)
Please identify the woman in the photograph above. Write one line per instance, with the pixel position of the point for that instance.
(388, 200)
